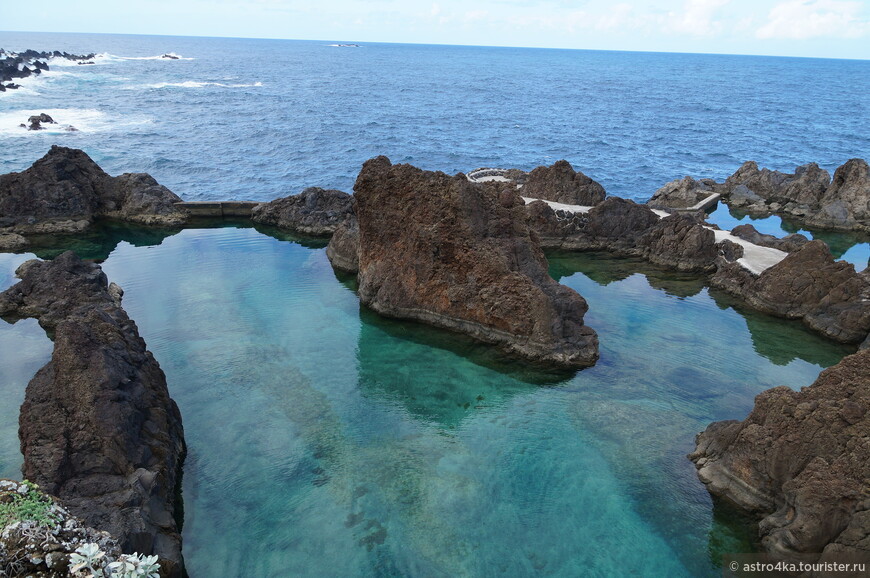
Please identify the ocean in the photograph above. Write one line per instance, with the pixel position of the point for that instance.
(325, 441)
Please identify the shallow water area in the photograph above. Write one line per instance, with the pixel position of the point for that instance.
(319, 431)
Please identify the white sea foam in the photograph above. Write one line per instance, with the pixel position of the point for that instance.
(164, 56)
(106, 58)
(198, 84)
(85, 120)
(31, 84)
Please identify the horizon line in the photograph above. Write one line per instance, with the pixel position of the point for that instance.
(855, 59)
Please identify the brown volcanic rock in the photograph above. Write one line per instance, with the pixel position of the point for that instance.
(682, 243)
(789, 243)
(681, 194)
(846, 203)
(801, 461)
(65, 191)
(809, 193)
(828, 295)
(314, 211)
(560, 183)
(98, 428)
(459, 255)
(805, 186)
(627, 228)
(343, 248)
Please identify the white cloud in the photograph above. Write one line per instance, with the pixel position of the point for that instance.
(801, 19)
(473, 16)
(620, 16)
(696, 18)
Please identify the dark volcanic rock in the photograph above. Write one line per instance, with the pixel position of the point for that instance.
(682, 243)
(65, 191)
(788, 243)
(808, 194)
(805, 186)
(98, 428)
(560, 183)
(828, 295)
(626, 228)
(314, 211)
(37, 120)
(846, 203)
(681, 194)
(343, 248)
(459, 255)
(800, 461)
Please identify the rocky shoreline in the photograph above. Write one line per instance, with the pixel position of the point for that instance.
(18, 65)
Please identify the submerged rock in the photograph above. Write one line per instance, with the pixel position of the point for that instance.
(314, 211)
(65, 191)
(800, 461)
(98, 428)
(828, 295)
(458, 255)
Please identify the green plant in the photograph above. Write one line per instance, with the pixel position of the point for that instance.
(28, 505)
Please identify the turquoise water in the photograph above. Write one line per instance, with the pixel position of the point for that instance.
(325, 441)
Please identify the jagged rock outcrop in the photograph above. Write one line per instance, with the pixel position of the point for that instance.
(789, 243)
(314, 211)
(682, 193)
(846, 202)
(560, 183)
(42, 547)
(800, 461)
(808, 194)
(65, 191)
(37, 120)
(15, 65)
(626, 228)
(455, 254)
(343, 248)
(98, 428)
(828, 295)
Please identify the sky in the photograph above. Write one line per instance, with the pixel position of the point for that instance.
(814, 28)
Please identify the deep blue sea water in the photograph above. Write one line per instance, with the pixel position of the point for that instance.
(325, 441)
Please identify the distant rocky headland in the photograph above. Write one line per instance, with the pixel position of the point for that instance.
(463, 253)
(18, 65)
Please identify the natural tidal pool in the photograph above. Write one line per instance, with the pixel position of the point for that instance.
(853, 247)
(327, 441)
